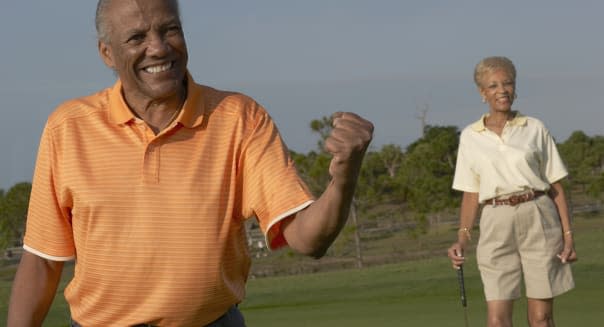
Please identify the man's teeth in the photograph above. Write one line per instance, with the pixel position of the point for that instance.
(158, 69)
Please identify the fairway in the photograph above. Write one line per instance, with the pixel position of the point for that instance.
(418, 293)
(415, 293)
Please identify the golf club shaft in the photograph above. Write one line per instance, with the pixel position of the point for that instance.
(462, 287)
(462, 291)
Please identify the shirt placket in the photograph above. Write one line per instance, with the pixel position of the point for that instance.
(501, 141)
(151, 154)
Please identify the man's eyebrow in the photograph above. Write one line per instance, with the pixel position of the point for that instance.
(135, 30)
(174, 20)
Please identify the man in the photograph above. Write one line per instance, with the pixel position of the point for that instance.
(147, 185)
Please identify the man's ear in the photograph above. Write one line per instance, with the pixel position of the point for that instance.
(106, 54)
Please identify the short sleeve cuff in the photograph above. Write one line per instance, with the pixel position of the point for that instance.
(557, 178)
(466, 188)
(274, 234)
(46, 256)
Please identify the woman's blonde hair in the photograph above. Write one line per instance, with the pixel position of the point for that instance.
(491, 64)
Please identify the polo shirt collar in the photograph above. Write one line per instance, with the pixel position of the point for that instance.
(194, 107)
(518, 120)
(190, 116)
(119, 112)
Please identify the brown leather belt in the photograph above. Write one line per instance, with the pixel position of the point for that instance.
(515, 199)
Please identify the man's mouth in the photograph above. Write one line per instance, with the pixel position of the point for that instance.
(158, 68)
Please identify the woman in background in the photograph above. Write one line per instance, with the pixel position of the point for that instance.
(509, 163)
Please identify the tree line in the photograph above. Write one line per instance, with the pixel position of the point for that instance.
(417, 179)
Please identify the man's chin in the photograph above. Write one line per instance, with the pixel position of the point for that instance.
(165, 89)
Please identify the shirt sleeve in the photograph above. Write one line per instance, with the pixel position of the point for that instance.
(552, 166)
(465, 179)
(48, 231)
(272, 187)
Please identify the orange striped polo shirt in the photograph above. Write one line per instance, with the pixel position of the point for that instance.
(156, 222)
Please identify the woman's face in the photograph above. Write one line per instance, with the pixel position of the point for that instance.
(498, 90)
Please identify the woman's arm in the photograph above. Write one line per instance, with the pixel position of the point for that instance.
(568, 254)
(467, 216)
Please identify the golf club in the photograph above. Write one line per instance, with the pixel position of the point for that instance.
(462, 290)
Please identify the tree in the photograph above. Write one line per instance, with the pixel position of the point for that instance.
(391, 156)
(13, 212)
(584, 157)
(427, 172)
(378, 180)
(323, 127)
(314, 169)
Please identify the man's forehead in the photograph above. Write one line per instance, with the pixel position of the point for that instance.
(138, 14)
(144, 8)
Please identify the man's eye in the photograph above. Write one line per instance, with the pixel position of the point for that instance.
(136, 38)
(173, 29)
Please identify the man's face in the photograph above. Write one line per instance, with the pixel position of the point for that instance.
(146, 47)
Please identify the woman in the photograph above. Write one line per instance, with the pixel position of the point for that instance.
(509, 163)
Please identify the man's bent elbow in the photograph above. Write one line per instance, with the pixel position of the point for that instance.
(313, 251)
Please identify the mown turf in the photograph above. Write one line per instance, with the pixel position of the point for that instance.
(415, 293)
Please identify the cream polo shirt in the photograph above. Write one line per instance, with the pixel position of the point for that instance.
(524, 157)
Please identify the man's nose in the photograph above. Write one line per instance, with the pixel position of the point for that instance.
(158, 46)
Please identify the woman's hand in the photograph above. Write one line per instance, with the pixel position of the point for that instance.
(456, 254)
(568, 254)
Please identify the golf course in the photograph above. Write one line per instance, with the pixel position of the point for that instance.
(419, 292)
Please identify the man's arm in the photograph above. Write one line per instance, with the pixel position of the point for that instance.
(313, 229)
(33, 290)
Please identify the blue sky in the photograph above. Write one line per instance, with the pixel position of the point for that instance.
(302, 60)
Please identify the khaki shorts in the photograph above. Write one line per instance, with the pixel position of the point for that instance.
(522, 240)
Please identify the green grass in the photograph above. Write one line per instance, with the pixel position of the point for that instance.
(413, 293)
(417, 293)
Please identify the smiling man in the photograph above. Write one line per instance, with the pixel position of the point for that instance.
(147, 185)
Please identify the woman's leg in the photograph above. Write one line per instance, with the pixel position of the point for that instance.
(499, 313)
(541, 312)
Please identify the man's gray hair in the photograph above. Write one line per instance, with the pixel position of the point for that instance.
(100, 20)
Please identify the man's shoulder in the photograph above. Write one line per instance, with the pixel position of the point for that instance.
(78, 108)
(216, 96)
(229, 102)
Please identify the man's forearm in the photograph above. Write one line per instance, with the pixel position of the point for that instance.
(315, 228)
(33, 290)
